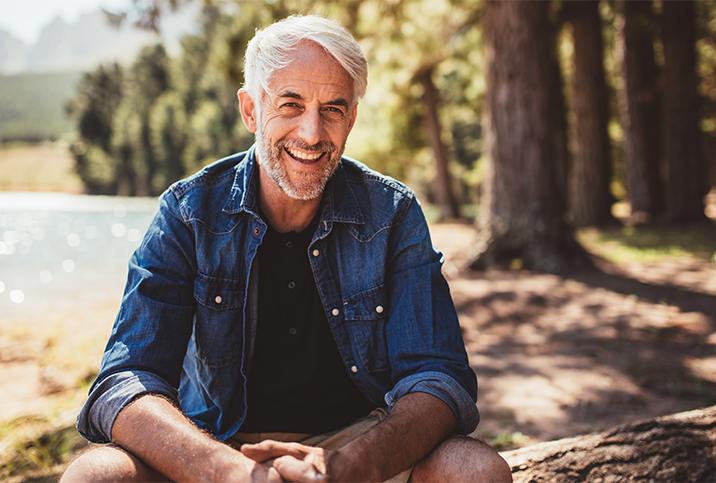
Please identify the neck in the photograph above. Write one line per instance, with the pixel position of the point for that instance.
(284, 213)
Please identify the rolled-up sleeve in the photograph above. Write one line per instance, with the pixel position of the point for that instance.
(150, 335)
(444, 387)
(427, 352)
(113, 393)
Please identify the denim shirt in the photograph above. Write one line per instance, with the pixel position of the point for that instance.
(186, 324)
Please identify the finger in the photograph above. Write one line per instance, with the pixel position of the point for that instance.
(268, 449)
(292, 469)
(265, 473)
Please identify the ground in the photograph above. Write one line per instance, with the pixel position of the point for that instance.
(555, 356)
(562, 356)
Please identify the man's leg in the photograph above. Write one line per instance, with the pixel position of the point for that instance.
(109, 463)
(462, 459)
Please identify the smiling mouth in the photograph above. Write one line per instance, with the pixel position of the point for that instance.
(305, 157)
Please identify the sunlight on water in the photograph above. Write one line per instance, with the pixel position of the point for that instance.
(56, 247)
(119, 230)
(73, 239)
(45, 276)
(68, 265)
(17, 296)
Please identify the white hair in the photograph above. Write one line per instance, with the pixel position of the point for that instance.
(269, 51)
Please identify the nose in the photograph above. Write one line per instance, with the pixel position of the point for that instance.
(311, 129)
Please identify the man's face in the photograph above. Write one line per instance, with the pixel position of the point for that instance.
(304, 123)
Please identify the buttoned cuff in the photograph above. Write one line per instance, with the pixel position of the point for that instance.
(113, 393)
(446, 389)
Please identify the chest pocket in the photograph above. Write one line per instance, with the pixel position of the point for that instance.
(218, 327)
(365, 315)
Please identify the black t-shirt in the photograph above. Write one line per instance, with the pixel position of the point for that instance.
(298, 382)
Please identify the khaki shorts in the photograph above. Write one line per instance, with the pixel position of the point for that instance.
(332, 440)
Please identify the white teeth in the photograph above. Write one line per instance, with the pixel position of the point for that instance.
(303, 156)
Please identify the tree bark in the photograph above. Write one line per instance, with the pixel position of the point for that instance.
(639, 108)
(679, 447)
(589, 197)
(444, 196)
(687, 180)
(522, 215)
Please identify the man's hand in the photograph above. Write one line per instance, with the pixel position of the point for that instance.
(293, 461)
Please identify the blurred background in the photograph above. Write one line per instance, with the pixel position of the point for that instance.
(105, 103)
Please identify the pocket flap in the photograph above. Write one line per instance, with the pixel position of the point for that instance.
(218, 293)
(368, 305)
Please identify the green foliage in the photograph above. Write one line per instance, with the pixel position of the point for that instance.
(651, 243)
(143, 127)
(38, 449)
(167, 125)
(31, 106)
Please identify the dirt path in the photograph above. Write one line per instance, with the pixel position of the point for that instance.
(558, 357)
(555, 357)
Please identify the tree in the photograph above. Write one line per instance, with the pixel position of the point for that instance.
(148, 80)
(686, 182)
(591, 171)
(167, 126)
(444, 197)
(433, 31)
(639, 108)
(99, 95)
(522, 215)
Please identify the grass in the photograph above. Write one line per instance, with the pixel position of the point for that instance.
(65, 349)
(36, 449)
(38, 167)
(652, 243)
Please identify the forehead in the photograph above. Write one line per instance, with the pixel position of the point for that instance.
(312, 71)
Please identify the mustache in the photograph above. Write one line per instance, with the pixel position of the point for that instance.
(321, 146)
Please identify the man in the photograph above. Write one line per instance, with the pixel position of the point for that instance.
(280, 295)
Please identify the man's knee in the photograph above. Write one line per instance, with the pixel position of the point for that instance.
(463, 459)
(108, 463)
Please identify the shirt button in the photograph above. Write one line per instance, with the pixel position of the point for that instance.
(289, 244)
(292, 331)
(379, 309)
(335, 312)
(257, 231)
(316, 253)
(354, 369)
(291, 285)
(218, 299)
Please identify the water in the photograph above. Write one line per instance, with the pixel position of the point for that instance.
(53, 245)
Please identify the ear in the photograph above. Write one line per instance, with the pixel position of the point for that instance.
(248, 110)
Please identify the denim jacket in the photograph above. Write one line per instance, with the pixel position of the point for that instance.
(187, 321)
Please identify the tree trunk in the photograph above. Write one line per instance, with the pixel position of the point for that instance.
(680, 447)
(639, 108)
(589, 197)
(687, 181)
(522, 215)
(444, 196)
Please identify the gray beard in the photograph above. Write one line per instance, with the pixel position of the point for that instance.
(306, 186)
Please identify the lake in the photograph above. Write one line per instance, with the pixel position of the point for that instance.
(53, 245)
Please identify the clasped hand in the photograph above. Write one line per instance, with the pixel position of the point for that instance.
(292, 462)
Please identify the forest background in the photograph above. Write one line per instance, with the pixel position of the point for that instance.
(553, 126)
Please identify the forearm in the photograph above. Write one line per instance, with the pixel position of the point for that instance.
(155, 431)
(417, 423)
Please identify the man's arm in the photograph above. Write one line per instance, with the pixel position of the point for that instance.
(155, 431)
(417, 423)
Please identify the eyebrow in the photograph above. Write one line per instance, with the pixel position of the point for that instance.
(335, 102)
